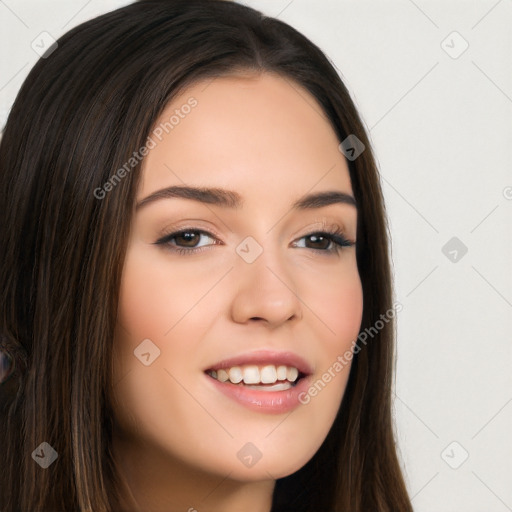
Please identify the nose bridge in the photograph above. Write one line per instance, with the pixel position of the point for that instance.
(265, 288)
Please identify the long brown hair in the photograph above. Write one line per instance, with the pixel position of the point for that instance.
(79, 116)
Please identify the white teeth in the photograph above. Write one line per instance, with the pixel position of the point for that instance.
(268, 374)
(235, 375)
(253, 374)
(222, 375)
(292, 374)
(281, 372)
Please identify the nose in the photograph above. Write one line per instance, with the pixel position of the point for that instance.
(265, 292)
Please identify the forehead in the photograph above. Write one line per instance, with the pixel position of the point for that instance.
(254, 133)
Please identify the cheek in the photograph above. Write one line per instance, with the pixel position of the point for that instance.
(153, 297)
(338, 302)
(335, 307)
(162, 304)
(335, 298)
(151, 302)
(343, 309)
(155, 303)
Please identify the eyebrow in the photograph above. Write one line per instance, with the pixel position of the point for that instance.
(231, 199)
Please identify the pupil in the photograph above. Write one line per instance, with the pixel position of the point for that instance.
(189, 238)
(318, 240)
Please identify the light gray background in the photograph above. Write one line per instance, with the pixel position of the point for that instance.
(442, 131)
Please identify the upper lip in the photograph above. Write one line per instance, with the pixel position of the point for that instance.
(261, 357)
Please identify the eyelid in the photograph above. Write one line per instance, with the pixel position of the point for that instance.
(192, 225)
(323, 225)
(163, 240)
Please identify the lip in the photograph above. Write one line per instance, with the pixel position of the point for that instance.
(270, 402)
(262, 357)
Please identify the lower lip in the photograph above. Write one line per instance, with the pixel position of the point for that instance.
(271, 402)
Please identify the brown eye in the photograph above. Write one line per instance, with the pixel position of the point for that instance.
(325, 241)
(187, 241)
(187, 238)
(319, 241)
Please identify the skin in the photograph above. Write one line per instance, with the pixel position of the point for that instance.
(176, 436)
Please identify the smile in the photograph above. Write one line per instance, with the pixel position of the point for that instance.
(259, 377)
(266, 381)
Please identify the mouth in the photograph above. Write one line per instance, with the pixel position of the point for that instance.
(268, 377)
(263, 369)
(264, 381)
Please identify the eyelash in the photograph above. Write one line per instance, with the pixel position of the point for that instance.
(334, 235)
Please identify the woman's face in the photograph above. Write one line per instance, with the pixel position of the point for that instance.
(237, 282)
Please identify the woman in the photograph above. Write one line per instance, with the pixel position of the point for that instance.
(193, 235)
